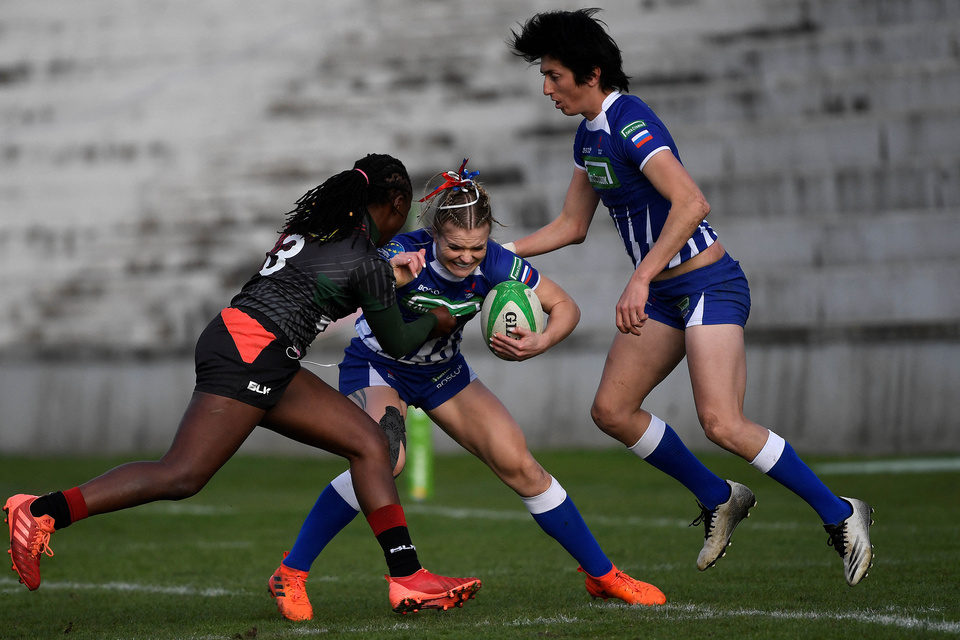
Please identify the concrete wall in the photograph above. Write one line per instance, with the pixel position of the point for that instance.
(148, 152)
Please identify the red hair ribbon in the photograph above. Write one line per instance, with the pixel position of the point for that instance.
(456, 180)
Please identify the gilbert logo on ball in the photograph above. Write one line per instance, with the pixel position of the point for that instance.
(510, 305)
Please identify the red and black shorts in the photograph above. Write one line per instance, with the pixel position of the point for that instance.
(238, 357)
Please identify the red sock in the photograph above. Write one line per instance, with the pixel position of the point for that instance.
(387, 517)
(76, 504)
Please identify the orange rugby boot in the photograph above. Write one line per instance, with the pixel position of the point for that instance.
(289, 588)
(29, 538)
(425, 590)
(617, 584)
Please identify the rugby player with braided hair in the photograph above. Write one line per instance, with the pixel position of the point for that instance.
(324, 266)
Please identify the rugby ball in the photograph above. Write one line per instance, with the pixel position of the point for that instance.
(509, 305)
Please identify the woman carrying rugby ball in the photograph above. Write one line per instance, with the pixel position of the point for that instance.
(453, 263)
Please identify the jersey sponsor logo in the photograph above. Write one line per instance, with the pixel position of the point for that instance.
(423, 287)
(600, 172)
(256, 387)
(515, 269)
(633, 126)
(447, 376)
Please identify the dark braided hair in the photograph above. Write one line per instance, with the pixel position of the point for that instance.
(333, 210)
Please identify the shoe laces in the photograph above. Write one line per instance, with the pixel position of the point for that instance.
(838, 538)
(624, 582)
(705, 518)
(41, 544)
(295, 585)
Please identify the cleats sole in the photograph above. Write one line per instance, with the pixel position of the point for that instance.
(440, 601)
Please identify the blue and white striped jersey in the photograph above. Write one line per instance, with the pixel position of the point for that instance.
(435, 286)
(613, 149)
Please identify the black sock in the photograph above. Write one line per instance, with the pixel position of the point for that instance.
(52, 504)
(399, 551)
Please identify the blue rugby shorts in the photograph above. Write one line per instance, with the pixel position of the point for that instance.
(422, 385)
(715, 294)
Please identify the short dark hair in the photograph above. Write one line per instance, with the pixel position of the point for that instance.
(577, 40)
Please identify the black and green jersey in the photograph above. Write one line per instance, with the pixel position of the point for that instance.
(304, 284)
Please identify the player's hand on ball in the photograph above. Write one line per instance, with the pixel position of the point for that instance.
(407, 265)
(447, 323)
(523, 345)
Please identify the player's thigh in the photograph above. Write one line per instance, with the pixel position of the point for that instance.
(716, 358)
(635, 365)
(314, 413)
(375, 400)
(477, 420)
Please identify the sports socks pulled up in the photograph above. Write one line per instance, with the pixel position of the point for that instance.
(556, 514)
(778, 460)
(662, 447)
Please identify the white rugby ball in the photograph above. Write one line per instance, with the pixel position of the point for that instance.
(510, 305)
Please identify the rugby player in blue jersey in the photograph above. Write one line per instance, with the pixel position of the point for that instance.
(455, 264)
(686, 298)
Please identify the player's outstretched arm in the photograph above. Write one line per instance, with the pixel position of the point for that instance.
(564, 314)
(570, 227)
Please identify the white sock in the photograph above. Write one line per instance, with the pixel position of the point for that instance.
(651, 438)
(343, 484)
(770, 454)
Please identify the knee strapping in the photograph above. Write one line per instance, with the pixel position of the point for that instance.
(393, 425)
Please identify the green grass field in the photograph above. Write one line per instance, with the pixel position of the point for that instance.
(198, 568)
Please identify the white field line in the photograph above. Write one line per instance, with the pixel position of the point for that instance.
(458, 513)
(672, 612)
(890, 618)
(12, 586)
(905, 465)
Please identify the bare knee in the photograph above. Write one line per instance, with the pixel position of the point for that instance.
(720, 431)
(181, 482)
(611, 418)
(524, 475)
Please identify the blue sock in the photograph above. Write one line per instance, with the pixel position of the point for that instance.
(779, 461)
(329, 516)
(663, 448)
(564, 524)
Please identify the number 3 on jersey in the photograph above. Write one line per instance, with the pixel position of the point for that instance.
(286, 247)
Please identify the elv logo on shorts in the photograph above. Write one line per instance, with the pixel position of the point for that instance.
(600, 172)
(258, 388)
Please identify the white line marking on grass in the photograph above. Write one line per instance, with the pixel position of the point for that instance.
(458, 513)
(906, 465)
(892, 619)
(120, 586)
(673, 613)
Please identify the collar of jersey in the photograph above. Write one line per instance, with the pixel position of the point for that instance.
(600, 122)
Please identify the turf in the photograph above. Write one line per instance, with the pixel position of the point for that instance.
(198, 568)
